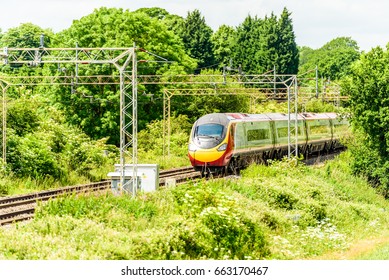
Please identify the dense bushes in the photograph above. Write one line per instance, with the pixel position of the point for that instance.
(41, 145)
(282, 211)
(368, 86)
(208, 224)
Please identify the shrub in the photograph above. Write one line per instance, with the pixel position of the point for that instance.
(230, 234)
(30, 157)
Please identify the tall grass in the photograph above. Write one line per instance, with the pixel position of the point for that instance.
(14, 185)
(282, 211)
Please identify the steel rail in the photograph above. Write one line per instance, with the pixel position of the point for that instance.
(10, 213)
(178, 176)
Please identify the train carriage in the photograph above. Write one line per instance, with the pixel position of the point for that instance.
(223, 141)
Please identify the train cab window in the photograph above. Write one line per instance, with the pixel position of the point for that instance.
(208, 135)
(209, 130)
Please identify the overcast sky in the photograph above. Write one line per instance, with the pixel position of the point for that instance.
(315, 22)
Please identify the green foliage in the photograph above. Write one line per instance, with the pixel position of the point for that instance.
(209, 101)
(368, 88)
(157, 13)
(282, 211)
(231, 233)
(196, 36)
(21, 118)
(262, 44)
(151, 143)
(369, 163)
(96, 108)
(287, 57)
(333, 60)
(111, 211)
(247, 45)
(318, 106)
(223, 41)
(41, 145)
(172, 22)
(30, 156)
(27, 35)
(381, 253)
(312, 241)
(4, 189)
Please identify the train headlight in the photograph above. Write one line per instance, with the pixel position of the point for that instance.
(192, 148)
(222, 147)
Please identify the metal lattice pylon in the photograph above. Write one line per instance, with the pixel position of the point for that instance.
(292, 117)
(121, 58)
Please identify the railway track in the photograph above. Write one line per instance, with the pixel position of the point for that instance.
(177, 175)
(22, 207)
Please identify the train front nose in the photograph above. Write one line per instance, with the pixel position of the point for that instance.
(201, 157)
(208, 141)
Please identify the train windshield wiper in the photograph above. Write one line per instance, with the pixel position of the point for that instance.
(208, 136)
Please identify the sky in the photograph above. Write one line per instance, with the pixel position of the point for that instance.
(315, 22)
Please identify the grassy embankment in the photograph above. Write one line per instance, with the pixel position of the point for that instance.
(281, 211)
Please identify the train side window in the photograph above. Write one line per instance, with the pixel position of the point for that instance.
(282, 128)
(340, 128)
(257, 134)
(240, 136)
(319, 129)
(282, 131)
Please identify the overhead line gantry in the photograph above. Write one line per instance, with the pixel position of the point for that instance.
(256, 86)
(121, 58)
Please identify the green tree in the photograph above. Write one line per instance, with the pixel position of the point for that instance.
(21, 118)
(262, 44)
(223, 41)
(96, 108)
(41, 144)
(269, 44)
(369, 92)
(157, 13)
(196, 35)
(333, 60)
(245, 51)
(287, 50)
(27, 35)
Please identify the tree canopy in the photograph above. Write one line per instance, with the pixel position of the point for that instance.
(27, 35)
(262, 44)
(196, 35)
(333, 60)
(368, 85)
(98, 114)
(223, 42)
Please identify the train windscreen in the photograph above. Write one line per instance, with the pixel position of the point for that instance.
(210, 130)
(208, 135)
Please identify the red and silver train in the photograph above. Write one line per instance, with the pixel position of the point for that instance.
(223, 141)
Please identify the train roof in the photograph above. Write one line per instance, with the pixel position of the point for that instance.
(214, 118)
(280, 116)
(225, 118)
